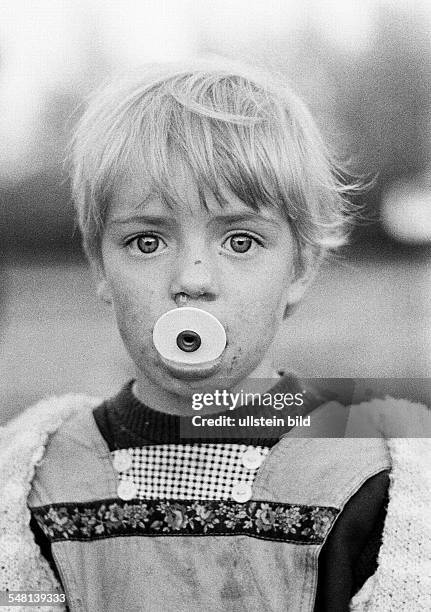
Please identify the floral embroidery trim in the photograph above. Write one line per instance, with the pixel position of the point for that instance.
(266, 520)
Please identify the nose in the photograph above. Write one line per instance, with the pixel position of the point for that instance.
(195, 276)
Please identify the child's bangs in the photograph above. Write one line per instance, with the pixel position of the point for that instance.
(224, 153)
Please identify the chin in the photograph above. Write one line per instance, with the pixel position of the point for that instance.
(186, 378)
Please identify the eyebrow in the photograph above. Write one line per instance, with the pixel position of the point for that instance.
(147, 219)
(245, 216)
(170, 221)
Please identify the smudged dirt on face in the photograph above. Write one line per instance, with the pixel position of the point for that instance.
(234, 359)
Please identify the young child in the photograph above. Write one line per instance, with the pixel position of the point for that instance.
(203, 190)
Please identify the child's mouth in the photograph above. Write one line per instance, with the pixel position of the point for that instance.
(192, 371)
(190, 342)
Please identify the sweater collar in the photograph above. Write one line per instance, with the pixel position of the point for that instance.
(134, 423)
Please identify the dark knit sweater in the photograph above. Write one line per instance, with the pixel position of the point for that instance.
(346, 560)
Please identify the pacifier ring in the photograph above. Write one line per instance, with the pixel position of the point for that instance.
(188, 341)
(189, 336)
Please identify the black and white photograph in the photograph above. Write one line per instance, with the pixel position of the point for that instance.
(215, 305)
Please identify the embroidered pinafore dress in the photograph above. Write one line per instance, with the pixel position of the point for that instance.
(195, 556)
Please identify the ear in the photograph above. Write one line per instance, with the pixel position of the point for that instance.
(296, 290)
(104, 292)
(102, 283)
(299, 285)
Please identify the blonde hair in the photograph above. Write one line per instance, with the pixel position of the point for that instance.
(237, 130)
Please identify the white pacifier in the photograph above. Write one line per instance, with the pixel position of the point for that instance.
(189, 336)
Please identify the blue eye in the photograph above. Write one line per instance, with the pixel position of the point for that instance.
(241, 243)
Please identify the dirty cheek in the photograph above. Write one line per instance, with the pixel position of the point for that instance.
(235, 358)
(129, 312)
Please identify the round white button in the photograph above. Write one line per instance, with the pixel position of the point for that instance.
(122, 460)
(127, 489)
(241, 492)
(252, 459)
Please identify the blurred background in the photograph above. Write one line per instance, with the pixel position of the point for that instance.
(364, 68)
